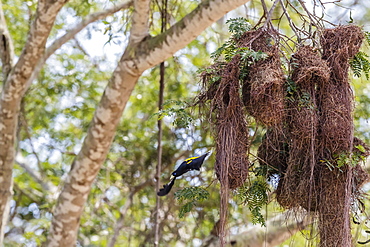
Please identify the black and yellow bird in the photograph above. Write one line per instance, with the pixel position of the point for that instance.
(193, 163)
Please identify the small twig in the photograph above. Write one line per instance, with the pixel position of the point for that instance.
(291, 24)
(78, 46)
(286, 39)
(264, 162)
(264, 6)
(211, 183)
(269, 15)
(313, 18)
(35, 175)
(265, 11)
(301, 16)
(31, 196)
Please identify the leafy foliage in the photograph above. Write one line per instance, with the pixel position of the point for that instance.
(181, 118)
(229, 50)
(360, 64)
(291, 89)
(238, 26)
(343, 159)
(255, 196)
(60, 104)
(354, 159)
(367, 37)
(190, 195)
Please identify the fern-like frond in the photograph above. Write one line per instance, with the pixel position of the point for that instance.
(190, 195)
(360, 64)
(255, 197)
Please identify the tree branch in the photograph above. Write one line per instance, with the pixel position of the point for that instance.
(140, 21)
(136, 59)
(163, 46)
(70, 34)
(6, 46)
(13, 91)
(20, 160)
(88, 20)
(291, 23)
(34, 174)
(277, 230)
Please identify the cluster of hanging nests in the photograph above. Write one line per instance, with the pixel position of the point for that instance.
(310, 139)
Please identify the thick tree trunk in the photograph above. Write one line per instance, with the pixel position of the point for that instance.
(87, 164)
(142, 53)
(13, 91)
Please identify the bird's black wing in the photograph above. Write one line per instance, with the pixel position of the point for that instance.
(166, 188)
(183, 168)
(193, 163)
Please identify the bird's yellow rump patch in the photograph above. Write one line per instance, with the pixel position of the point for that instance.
(189, 160)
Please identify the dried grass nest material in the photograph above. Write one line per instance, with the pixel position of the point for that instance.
(297, 188)
(263, 88)
(338, 46)
(322, 126)
(231, 127)
(273, 153)
(309, 68)
(336, 118)
(336, 97)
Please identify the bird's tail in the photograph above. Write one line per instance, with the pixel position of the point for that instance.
(166, 188)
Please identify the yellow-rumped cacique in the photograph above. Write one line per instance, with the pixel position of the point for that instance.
(193, 163)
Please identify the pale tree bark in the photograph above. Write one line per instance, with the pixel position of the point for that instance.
(6, 46)
(13, 91)
(277, 230)
(85, 167)
(140, 22)
(50, 50)
(143, 52)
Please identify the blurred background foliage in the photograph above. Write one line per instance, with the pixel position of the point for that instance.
(60, 104)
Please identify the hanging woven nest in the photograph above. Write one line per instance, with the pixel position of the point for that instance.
(231, 127)
(263, 88)
(273, 153)
(297, 187)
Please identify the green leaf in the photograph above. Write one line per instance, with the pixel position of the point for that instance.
(360, 64)
(361, 148)
(238, 26)
(367, 37)
(186, 208)
(181, 118)
(190, 195)
(255, 197)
